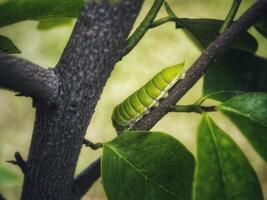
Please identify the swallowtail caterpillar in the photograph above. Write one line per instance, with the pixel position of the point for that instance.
(132, 109)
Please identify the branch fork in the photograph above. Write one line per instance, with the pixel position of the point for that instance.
(19, 161)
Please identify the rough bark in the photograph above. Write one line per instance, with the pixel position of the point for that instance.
(28, 79)
(95, 46)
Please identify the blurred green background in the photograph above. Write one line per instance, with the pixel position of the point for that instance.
(160, 47)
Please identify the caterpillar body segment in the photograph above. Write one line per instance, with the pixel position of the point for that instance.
(132, 109)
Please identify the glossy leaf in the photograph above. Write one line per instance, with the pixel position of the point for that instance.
(205, 31)
(249, 113)
(7, 46)
(261, 26)
(13, 11)
(235, 71)
(8, 177)
(222, 170)
(147, 165)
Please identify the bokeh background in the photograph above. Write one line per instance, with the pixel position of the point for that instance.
(160, 47)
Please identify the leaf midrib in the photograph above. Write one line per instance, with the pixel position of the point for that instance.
(217, 153)
(139, 172)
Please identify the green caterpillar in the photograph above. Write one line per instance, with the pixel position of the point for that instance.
(132, 109)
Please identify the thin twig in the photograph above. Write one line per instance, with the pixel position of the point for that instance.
(144, 26)
(19, 161)
(163, 20)
(92, 145)
(86, 179)
(231, 15)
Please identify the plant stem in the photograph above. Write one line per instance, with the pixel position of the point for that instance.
(170, 18)
(144, 26)
(231, 15)
(92, 145)
(203, 98)
(192, 108)
(169, 10)
(163, 21)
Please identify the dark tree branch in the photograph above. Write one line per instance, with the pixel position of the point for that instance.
(86, 179)
(19, 161)
(216, 49)
(95, 46)
(28, 79)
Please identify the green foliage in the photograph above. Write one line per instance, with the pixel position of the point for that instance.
(235, 71)
(222, 171)
(204, 31)
(7, 46)
(261, 26)
(8, 177)
(13, 11)
(146, 165)
(249, 113)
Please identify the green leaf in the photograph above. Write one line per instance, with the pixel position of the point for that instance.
(249, 114)
(147, 165)
(204, 31)
(7, 46)
(8, 177)
(235, 71)
(261, 26)
(13, 11)
(222, 171)
(46, 25)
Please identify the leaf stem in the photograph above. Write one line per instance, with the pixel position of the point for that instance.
(144, 26)
(170, 18)
(169, 10)
(203, 98)
(192, 108)
(163, 21)
(231, 15)
(92, 145)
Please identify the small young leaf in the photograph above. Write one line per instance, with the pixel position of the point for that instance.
(261, 26)
(7, 46)
(236, 71)
(205, 31)
(8, 177)
(13, 11)
(222, 171)
(147, 165)
(249, 113)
